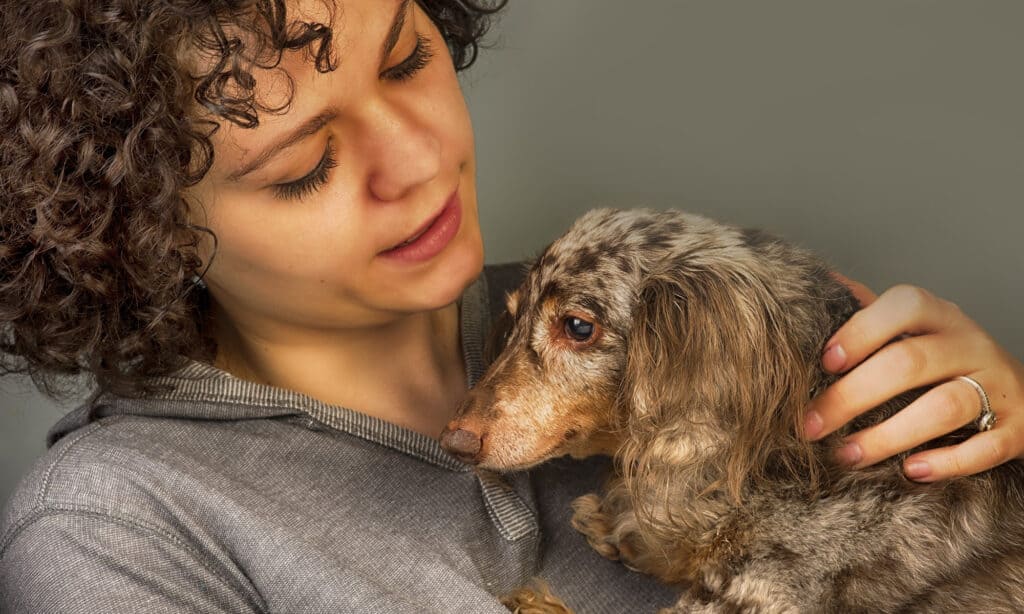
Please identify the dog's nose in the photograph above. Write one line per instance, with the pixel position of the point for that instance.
(462, 444)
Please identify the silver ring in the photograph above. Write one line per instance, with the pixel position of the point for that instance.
(986, 417)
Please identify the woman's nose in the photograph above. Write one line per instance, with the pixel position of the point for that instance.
(403, 152)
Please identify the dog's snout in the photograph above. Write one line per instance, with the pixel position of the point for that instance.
(464, 435)
(461, 443)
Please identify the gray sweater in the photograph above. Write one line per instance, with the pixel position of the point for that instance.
(223, 495)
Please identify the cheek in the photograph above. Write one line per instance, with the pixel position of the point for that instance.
(589, 371)
(588, 383)
(443, 105)
(462, 125)
(569, 394)
(275, 251)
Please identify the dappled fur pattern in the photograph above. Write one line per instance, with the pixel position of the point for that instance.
(705, 351)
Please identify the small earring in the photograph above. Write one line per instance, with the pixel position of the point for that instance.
(198, 281)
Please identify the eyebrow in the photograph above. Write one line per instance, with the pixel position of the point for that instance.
(396, 29)
(307, 129)
(316, 123)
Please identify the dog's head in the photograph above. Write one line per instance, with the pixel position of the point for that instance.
(676, 335)
(552, 390)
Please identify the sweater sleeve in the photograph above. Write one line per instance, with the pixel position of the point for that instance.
(83, 562)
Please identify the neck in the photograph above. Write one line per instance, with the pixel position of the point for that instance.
(408, 371)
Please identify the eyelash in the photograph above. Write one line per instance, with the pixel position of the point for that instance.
(316, 179)
(407, 68)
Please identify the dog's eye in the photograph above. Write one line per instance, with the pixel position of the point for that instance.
(578, 328)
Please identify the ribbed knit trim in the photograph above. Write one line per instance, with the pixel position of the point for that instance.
(507, 510)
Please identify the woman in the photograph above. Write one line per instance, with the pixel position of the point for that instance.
(317, 260)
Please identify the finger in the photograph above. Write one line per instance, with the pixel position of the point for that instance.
(894, 369)
(976, 454)
(901, 309)
(939, 411)
(864, 295)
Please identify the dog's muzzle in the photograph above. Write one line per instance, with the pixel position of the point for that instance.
(462, 444)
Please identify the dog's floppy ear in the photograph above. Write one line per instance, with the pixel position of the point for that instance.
(711, 365)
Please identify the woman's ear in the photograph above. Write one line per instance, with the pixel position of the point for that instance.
(710, 353)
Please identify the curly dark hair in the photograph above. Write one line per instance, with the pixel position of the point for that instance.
(100, 138)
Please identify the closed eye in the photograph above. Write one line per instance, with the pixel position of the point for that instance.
(418, 59)
(313, 181)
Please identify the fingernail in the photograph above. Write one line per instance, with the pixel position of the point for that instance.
(834, 358)
(915, 470)
(813, 424)
(850, 454)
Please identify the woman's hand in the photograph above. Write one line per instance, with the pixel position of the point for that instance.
(938, 342)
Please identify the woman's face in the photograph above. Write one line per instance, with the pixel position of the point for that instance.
(309, 207)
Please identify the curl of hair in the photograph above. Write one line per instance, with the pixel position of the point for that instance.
(100, 137)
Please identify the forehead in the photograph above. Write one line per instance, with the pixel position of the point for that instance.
(596, 265)
(293, 85)
(607, 243)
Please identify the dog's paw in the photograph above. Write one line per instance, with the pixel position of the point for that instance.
(534, 599)
(589, 519)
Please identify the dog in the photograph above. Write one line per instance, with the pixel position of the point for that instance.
(687, 350)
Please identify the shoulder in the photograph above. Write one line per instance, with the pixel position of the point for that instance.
(97, 509)
(503, 278)
(91, 470)
(119, 467)
(506, 275)
(33, 490)
(500, 279)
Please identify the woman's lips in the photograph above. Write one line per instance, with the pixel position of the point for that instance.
(431, 240)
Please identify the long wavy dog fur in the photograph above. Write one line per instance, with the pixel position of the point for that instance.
(688, 350)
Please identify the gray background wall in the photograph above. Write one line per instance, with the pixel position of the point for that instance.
(886, 134)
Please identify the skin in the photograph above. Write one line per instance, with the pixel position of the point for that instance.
(304, 301)
(939, 342)
(303, 298)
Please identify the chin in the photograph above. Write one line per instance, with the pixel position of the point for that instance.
(465, 266)
(453, 272)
